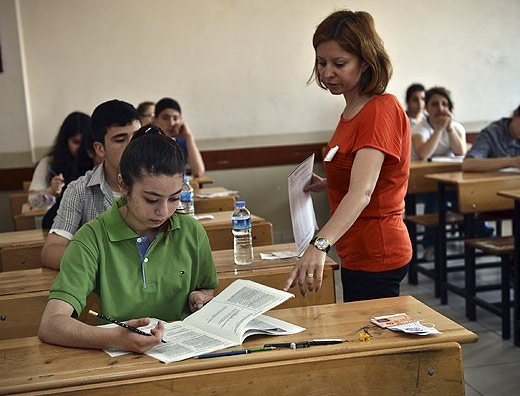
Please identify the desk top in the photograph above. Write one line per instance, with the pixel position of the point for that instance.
(471, 177)
(40, 279)
(29, 365)
(418, 184)
(416, 165)
(22, 238)
(513, 194)
(224, 219)
(28, 212)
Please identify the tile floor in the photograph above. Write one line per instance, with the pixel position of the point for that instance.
(492, 365)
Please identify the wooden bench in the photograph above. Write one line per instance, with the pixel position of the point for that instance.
(504, 248)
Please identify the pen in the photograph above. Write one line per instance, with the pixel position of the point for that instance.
(238, 352)
(327, 341)
(292, 345)
(117, 322)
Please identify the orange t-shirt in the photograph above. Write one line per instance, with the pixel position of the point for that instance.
(378, 240)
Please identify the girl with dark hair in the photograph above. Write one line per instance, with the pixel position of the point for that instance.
(60, 166)
(140, 257)
(367, 164)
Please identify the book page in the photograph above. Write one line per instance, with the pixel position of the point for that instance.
(303, 218)
(264, 324)
(228, 314)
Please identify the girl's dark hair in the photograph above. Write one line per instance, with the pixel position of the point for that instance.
(62, 161)
(150, 152)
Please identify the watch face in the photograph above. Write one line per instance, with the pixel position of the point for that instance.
(321, 243)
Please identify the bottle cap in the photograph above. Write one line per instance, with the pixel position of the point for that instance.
(240, 204)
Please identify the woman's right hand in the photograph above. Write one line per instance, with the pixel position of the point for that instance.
(56, 185)
(317, 184)
(129, 341)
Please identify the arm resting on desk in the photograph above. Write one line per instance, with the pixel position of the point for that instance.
(59, 328)
(53, 250)
(489, 164)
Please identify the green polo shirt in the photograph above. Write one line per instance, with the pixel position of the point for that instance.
(103, 257)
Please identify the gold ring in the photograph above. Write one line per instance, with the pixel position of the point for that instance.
(310, 275)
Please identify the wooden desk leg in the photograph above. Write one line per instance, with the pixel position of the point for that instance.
(516, 282)
(440, 270)
(470, 270)
(410, 210)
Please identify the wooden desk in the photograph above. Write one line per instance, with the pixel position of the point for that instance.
(274, 273)
(214, 204)
(476, 192)
(199, 182)
(20, 249)
(515, 195)
(28, 212)
(419, 184)
(21, 238)
(391, 363)
(24, 293)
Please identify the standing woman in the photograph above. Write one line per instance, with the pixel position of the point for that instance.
(367, 165)
(60, 166)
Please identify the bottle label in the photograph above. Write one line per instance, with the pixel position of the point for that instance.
(187, 196)
(241, 223)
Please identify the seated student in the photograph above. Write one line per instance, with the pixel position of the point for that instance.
(438, 134)
(113, 124)
(59, 167)
(497, 146)
(146, 112)
(415, 103)
(140, 257)
(168, 117)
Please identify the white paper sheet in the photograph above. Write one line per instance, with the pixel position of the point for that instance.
(303, 217)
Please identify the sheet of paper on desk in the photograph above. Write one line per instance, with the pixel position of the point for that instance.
(303, 218)
(278, 255)
(509, 170)
(458, 158)
(217, 194)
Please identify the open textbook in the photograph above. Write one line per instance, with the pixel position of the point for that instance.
(226, 321)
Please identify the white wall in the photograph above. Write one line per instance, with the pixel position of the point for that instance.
(14, 130)
(239, 67)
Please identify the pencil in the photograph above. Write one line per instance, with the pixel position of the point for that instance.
(117, 322)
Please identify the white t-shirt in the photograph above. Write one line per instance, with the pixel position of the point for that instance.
(38, 199)
(425, 130)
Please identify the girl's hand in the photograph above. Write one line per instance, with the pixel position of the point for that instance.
(199, 298)
(56, 185)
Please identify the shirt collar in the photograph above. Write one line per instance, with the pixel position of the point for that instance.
(118, 230)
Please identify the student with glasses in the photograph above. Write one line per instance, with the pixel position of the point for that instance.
(140, 257)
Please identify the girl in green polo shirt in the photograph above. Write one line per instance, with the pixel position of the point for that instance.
(141, 258)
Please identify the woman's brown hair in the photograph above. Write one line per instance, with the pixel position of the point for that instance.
(355, 32)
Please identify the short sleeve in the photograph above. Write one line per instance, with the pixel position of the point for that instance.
(383, 127)
(69, 216)
(78, 271)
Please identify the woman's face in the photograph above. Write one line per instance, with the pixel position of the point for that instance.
(151, 201)
(438, 106)
(339, 70)
(74, 143)
(416, 102)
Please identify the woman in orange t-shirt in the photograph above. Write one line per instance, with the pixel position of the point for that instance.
(367, 164)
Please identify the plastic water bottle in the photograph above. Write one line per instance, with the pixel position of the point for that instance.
(186, 204)
(242, 241)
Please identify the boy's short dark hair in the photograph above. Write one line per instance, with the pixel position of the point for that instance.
(109, 114)
(167, 103)
(412, 89)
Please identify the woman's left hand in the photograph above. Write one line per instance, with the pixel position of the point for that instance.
(308, 271)
(199, 298)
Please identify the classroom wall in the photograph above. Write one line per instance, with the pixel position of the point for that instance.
(240, 68)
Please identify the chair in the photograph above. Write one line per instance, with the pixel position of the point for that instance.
(20, 223)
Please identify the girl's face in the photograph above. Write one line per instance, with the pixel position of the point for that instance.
(151, 201)
(147, 117)
(74, 143)
(438, 106)
(339, 70)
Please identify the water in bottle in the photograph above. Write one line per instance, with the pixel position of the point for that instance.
(186, 204)
(242, 242)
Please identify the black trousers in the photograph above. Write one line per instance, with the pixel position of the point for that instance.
(362, 285)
